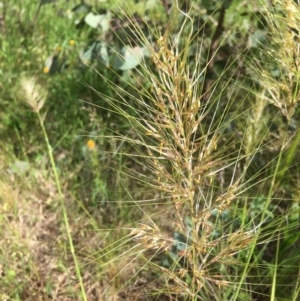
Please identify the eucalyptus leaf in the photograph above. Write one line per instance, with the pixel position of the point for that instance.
(92, 20)
(130, 57)
(105, 21)
(257, 38)
(102, 53)
(87, 54)
(96, 21)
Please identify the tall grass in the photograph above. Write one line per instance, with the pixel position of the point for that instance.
(34, 96)
(202, 153)
(217, 212)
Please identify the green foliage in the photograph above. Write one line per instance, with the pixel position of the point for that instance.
(175, 120)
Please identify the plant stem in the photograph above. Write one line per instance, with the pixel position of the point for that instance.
(65, 215)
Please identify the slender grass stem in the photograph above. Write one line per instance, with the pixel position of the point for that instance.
(65, 215)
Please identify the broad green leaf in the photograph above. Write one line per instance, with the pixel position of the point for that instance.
(95, 21)
(102, 53)
(87, 54)
(130, 57)
(92, 20)
(105, 21)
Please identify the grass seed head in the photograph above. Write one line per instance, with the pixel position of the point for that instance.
(32, 93)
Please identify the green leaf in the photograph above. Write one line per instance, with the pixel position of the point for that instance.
(105, 21)
(81, 8)
(295, 212)
(102, 53)
(43, 2)
(96, 21)
(92, 20)
(52, 63)
(257, 38)
(130, 57)
(87, 54)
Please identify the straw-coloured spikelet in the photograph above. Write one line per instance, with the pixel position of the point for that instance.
(283, 56)
(32, 93)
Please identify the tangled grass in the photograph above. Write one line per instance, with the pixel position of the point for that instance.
(210, 159)
(216, 214)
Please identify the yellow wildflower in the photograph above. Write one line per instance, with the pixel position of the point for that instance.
(46, 70)
(91, 144)
(71, 42)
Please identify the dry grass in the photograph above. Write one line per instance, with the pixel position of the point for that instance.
(200, 169)
(193, 152)
(179, 138)
(279, 70)
(35, 258)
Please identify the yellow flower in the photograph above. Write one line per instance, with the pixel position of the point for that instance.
(58, 49)
(91, 144)
(71, 42)
(46, 70)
